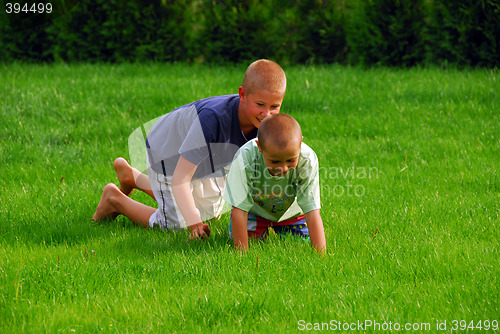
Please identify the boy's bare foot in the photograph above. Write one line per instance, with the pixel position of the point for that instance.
(125, 175)
(106, 209)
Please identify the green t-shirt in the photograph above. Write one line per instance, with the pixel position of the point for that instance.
(251, 188)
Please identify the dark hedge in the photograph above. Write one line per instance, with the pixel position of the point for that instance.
(358, 32)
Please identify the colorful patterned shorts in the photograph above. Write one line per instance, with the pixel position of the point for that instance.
(258, 227)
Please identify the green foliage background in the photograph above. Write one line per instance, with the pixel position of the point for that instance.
(369, 32)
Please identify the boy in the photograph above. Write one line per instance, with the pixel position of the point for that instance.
(188, 152)
(273, 182)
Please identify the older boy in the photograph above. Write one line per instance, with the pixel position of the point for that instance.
(188, 151)
(273, 182)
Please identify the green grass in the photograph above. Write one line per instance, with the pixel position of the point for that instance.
(412, 234)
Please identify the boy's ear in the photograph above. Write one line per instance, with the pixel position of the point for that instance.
(241, 93)
(258, 145)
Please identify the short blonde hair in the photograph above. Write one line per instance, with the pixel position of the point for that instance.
(279, 129)
(264, 74)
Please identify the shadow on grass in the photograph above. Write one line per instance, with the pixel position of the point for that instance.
(126, 237)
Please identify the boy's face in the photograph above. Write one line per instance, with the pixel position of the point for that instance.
(278, 160)
(259, 104)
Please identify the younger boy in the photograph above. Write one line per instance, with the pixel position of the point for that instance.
(273, 182)
(189, 150)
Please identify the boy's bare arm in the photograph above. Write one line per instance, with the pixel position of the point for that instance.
(181, 189)
(239, 228)
(316, 230)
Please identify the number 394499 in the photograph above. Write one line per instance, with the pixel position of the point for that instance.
(34, 8)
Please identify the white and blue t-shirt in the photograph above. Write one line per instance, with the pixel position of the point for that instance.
(206, 132)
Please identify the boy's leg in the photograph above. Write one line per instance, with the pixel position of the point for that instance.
(130, 178)
(168, 214)
(114, 202)
(207, 194)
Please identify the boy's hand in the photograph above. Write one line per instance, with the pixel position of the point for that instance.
(199, 231)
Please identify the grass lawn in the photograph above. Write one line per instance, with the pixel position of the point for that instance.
(410, 201)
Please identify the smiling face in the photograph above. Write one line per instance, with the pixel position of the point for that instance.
(279, 160)
(256, 106)
(261, 93)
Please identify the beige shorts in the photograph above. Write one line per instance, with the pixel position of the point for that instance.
(207, 194)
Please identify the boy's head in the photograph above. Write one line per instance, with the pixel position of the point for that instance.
(261, 92)
(264, 74)
(279, 141)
